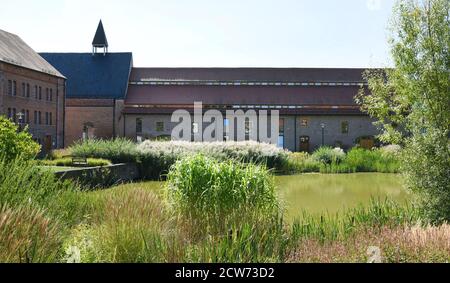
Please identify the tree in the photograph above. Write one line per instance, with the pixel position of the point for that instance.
(411, 102)
(16, 144)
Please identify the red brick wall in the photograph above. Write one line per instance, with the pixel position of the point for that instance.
(20, 102)
(99, 113)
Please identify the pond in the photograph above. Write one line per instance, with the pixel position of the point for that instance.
(318, 193)
(322, 193)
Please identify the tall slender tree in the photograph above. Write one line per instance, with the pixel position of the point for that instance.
(411, 101)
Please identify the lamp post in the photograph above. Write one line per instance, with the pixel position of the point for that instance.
(20, 116)
(323, 133)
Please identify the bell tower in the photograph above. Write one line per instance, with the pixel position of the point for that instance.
(100, 40)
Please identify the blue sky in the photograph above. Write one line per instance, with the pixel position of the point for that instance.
(211, 33)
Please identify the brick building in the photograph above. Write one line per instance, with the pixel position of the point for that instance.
(32, 91)
(107, 97)
(97, 84)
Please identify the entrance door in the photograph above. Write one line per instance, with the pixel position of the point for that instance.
(47, 144)
(304, 143)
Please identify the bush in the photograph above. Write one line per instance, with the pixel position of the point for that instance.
(157, 157)
(118, 151)
(328, 155)
(15, 143)
(301, 162)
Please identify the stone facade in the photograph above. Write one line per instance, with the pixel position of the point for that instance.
(34, 94)
(340, 130)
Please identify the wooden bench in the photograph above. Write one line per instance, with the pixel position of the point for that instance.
(79, 161)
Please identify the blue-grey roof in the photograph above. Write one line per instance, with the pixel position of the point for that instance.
(93, 76)
(13, 50)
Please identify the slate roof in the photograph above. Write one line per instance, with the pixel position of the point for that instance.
(14, 50)
(93, 76)
(100, 37)
(242, 95)
(316, 75)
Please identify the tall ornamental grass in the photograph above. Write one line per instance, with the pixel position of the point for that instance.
(28, 235)
(220, 193)
(23, 182)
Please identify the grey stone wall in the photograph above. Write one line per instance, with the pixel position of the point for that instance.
(357, 126)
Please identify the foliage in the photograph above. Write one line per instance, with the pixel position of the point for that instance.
(411, 102)
(199, 187)
(68, 162)
(118, 150)
(23, 182)
(328, 155)
(15, 143)
(301, 162)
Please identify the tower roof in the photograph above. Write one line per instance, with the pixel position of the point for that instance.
(100, 37)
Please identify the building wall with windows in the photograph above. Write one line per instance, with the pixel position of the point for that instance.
(36, 100)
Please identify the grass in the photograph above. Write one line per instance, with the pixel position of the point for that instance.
(44, 220)
(68, 162)
(333, 161)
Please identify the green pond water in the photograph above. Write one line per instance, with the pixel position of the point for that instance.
(322, 193)
(317, 193)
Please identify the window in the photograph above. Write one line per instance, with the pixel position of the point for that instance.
(28, 90)
(9, 87)
(27, 116)
(304, 123)
(24, 91)
(51, 95)
(345, 127)
(138, 125)
(47, 94)
(160, 126)
(281, 126)
(50, 115)
(281, 141)
(39, 118)
(14, 115)
(14, 88)
(40, 93)
(36, 92)
(46, 118)
(9, 113)
(35, 118)
(281, 135)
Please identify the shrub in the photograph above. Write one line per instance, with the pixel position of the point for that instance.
(118, 151)
(301, 162)
(59, 154)
(362, 160)
(15, 143)
(27, 235)
(157, 157)
(328, 155)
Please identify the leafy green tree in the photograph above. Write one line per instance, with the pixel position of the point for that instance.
(14, 143)
(411, 101)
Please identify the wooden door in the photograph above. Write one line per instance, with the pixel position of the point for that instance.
(47, 144)
(304, 144)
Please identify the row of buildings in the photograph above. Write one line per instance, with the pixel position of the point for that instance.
(65, 97)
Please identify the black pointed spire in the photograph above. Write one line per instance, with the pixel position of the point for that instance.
(100, 38)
